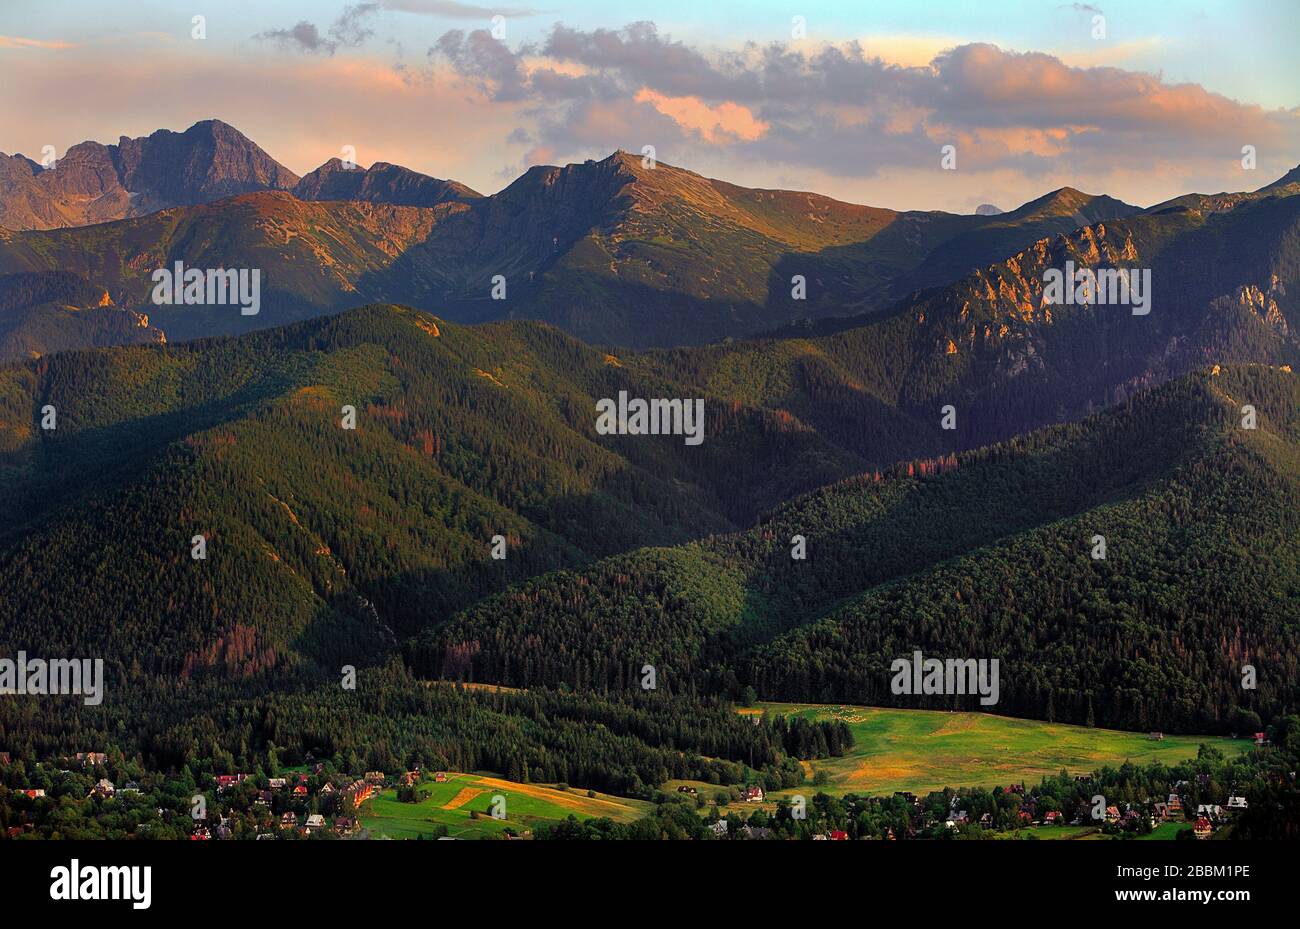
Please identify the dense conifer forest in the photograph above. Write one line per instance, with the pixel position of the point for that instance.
(326, 548)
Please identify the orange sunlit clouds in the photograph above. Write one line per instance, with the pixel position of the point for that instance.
(719, 124)
(853, 116)
(13, 41)
(1037, 85)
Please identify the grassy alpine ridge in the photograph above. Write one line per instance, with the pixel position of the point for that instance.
(612, 251)
(617, 253)
(986, 554)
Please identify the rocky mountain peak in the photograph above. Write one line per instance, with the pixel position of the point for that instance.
(382, 182)
(93, 183)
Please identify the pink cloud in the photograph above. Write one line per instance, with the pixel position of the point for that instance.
(13, 41)
(721, 123)
(539, 155)
(984, 83)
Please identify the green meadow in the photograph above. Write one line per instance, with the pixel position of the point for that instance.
(1164, 831)
(1052, 833)
(915, 750)
(464, 802)
(924, 750)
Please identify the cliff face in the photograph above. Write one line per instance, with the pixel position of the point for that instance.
(53, 311)
(94, 183)
(208, 161)
(1220, 286)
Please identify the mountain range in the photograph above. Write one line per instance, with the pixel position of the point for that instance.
(94, 183)
(620, 251)
(946, 439)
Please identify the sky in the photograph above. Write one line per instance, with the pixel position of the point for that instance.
(856, 100)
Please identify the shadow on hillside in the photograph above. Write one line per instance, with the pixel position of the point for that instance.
(69, 466)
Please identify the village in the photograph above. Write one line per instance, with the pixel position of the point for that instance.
(311, 801)
(315, 800)
(1028, 817)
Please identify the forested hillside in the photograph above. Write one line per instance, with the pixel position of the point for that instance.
(981, 554)
(326, 545)
(462, 434)
(50, 311)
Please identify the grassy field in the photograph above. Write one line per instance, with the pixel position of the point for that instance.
(924, 750)
(1052, 833)
(1164, 831)
(451, 803)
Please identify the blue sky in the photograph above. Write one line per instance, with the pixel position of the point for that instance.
(857, 108)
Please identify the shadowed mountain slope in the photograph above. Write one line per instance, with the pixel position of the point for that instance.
(986, 554)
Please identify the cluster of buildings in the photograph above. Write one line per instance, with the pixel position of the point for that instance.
(338, 794)
(298, 804)
(1205, 819)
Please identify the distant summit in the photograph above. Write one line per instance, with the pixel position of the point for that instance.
(94, 183)
(625, 250)
(380, 183)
